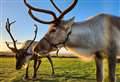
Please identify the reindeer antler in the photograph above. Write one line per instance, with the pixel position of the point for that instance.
(36, 30)
(8, 29)
(55, 18)
(68, 9)
(40, 10)
(55, 6)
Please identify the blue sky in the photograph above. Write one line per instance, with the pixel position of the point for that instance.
(23, 28)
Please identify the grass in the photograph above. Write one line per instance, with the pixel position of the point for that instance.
(66, 70)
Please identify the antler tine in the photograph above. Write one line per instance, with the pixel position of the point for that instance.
(31, 8)
(36, 30)
(11, 48)
(8, 24)
(39, 20)
(55, 6)
(68, 9)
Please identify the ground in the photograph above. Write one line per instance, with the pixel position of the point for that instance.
(66, 70)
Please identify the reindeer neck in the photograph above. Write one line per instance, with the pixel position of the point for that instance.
(87, 36)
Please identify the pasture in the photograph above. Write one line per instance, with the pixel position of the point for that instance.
(66, 70)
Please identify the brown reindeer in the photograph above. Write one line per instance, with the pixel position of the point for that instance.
(99, 34)
(25, 54)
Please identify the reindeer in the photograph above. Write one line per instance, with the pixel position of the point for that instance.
(99, 34)
(25, 54)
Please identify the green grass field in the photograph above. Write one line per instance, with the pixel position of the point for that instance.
(66, 70)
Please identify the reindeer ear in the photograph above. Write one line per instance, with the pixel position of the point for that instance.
(69, 22)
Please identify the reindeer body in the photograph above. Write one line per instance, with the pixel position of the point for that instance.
(95, 34)
(98, 34)
(25, 54)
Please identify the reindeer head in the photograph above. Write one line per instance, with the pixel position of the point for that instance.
(22, 56)
(59, 29)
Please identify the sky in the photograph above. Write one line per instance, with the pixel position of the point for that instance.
(23, 28)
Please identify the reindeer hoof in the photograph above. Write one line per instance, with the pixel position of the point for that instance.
(25, 78)
(53, 75)
(34, 78)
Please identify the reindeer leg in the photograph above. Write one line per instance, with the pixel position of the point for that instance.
(27, 71)
(112, 62)
(50, 60)
(36, 66)
(99, 67)
(26, 75)
(38, 63)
